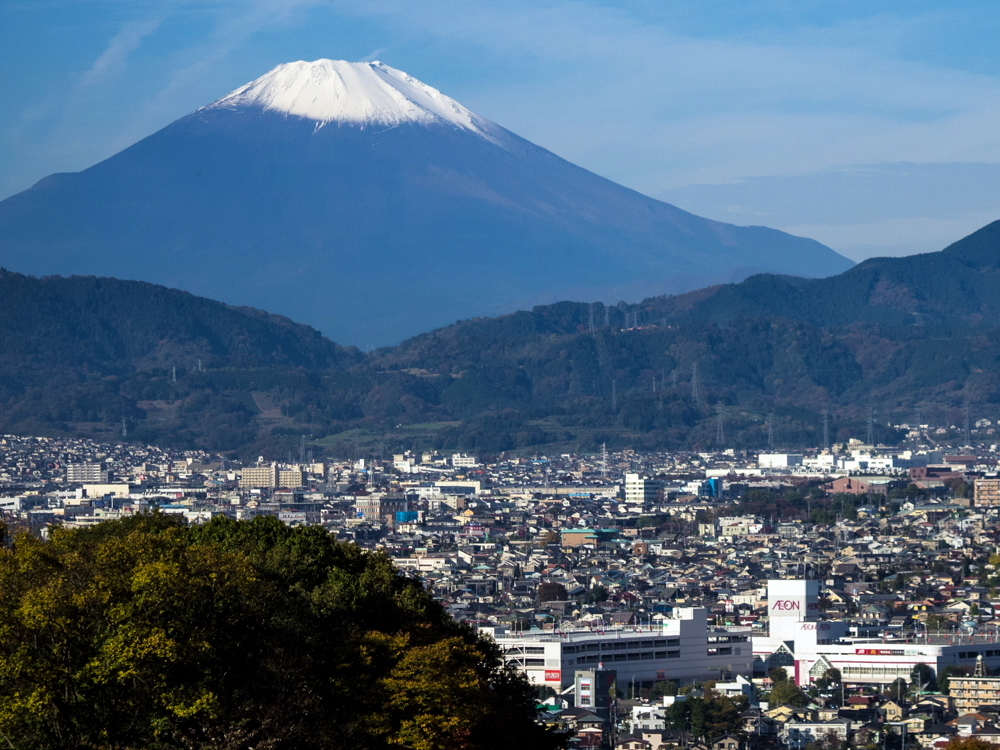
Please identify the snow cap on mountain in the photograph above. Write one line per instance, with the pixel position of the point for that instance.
(336, 91)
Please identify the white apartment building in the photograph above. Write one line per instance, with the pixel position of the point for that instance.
(89, 473)
(641, 490)
(779, 460)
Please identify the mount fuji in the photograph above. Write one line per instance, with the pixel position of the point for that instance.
(354, 198)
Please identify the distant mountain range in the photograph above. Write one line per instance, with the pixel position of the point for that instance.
(358, 200)
(899, 338)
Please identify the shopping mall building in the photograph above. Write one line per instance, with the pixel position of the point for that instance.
(807, 645)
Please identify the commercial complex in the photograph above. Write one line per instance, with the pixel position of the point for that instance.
(684, 649)
(800, 640)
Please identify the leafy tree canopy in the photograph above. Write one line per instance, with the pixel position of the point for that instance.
(143, 633)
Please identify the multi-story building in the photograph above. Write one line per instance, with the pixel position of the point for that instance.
(259, 477)
(685, 649)
(808, 645)
(290, 478)
(640, 490)
(381, 507)
(970, 693)
(90, 473)
(987, 493)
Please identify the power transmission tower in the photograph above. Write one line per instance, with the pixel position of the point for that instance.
(720, 433)
(199, 365)
(607, 316)
(614, 396)
(871, 426)
(173, 373)
(592, 318)
(302, 450)
(968, 432)
(826, 430)
(124, 428)
(694, 383)
(604, 460)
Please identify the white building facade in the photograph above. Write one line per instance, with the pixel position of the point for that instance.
(684, 649)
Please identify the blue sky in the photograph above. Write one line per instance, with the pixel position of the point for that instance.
(871, 126)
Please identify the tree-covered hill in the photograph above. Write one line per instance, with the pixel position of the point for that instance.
(81, 354)
(894, 338)
(145, 634)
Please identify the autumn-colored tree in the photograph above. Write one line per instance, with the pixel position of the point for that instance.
(550, 591)
(143, 633)
(971, 743)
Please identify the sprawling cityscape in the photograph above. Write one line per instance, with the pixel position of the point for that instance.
(839, 595)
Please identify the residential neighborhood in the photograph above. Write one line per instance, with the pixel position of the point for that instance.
(848, 596)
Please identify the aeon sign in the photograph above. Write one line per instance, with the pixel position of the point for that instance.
(792, 605)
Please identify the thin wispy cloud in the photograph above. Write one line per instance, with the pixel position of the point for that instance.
(113, 59)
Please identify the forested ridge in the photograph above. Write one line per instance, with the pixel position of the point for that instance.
(147, 634)
(893, 338)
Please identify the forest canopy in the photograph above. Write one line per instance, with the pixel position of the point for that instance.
(145, 633)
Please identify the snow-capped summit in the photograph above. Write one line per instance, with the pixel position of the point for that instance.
(368, 93)
(363, 202)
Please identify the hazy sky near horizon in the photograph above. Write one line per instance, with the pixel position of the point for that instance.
(870, 126)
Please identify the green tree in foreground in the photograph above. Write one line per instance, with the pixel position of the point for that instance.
(145, 634)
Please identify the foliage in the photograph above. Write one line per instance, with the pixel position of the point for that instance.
(142, 633)
(971, 743)
(708, 717)
(923, 677)
(550, 591)
(786, 692)
(829, 678)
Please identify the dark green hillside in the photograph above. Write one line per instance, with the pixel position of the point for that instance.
(894, 337)
(80, 354)
(955, 287)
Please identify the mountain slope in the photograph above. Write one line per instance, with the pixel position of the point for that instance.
(78, 355)
(356, 199)
(955, 286)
